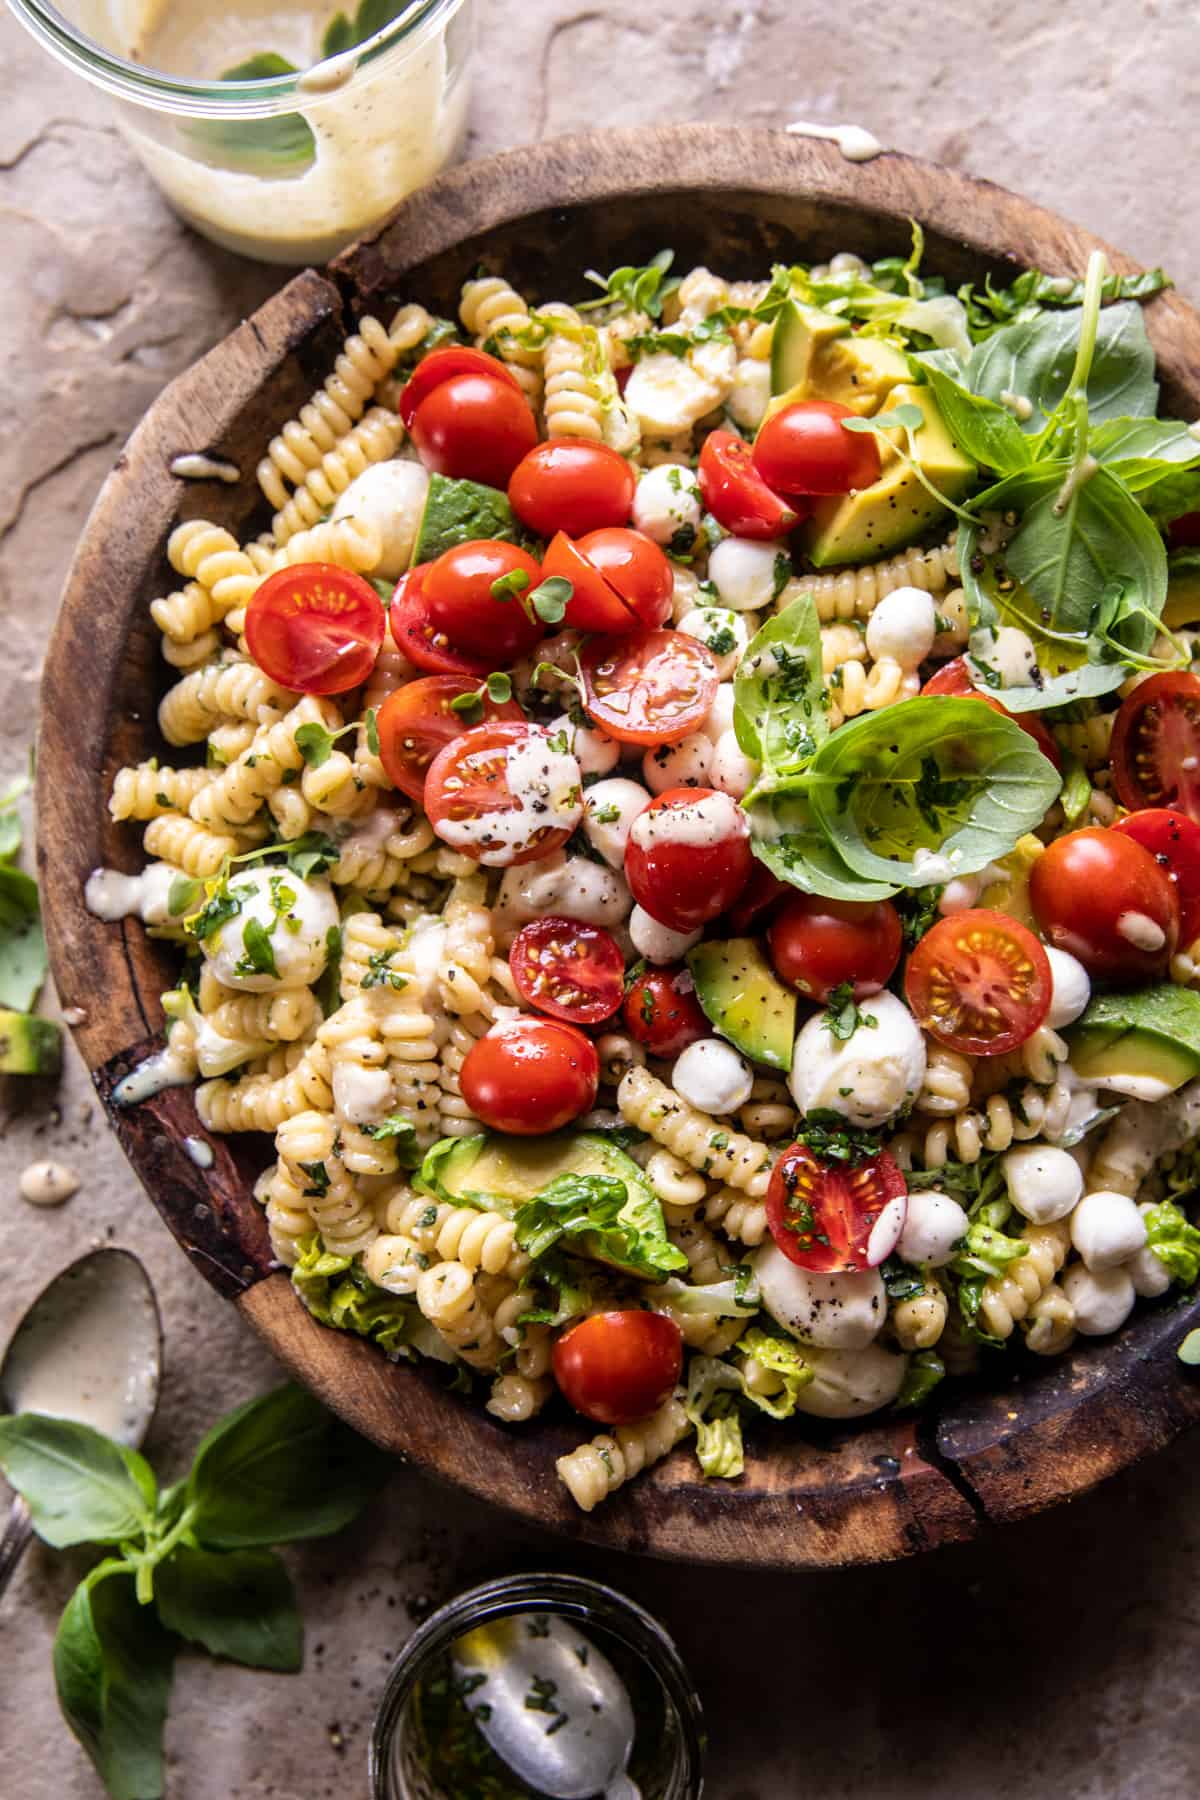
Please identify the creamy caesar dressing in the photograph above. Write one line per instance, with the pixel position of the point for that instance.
(546, 787)
(166, 1068)
(699, 824)
(199, 1152)
(855, 142)
(193, 465)
(89, 1350)
(110, 896)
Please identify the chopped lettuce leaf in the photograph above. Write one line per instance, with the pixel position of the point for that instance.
(337, 1292)
(785, 1358)
(599, 1217)
(1174, 1241)
(925, 1370)
(711, 1405)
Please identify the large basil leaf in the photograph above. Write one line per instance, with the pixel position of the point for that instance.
(80, 1487)
(784, 837)
(779, 710)
(113, 1664)
(237, 1603)
(1034, 358)
(986, 431)
(1142, 452)
(938, 774)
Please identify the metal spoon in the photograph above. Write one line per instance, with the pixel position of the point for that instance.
(88, 1349)
(550, 1705)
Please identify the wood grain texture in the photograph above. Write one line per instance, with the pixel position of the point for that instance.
(737, 200)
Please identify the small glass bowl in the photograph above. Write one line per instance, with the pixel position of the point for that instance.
(622, 1630)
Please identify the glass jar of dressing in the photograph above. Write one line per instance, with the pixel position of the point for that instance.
(267, 125)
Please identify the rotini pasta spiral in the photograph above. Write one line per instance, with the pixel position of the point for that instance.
(173, 838)
(148, 791)
(238, 792)
(855, 593)
(449, 1297)
(1011, 1296)
(375, 438)
(920, 1320)
(494, 314)
(737, 1214)
(230, 689)
(699, 1140)
(597, 1469)
(209, 554)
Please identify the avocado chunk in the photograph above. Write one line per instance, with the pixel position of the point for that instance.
(1145, 1044)
(504, 1172)
(1183, 590)
(458, 512)
(890, 514)
(745, 999)
(801, 333)
(859, 373)
(29, 1045)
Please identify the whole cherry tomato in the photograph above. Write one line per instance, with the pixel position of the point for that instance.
(475, 427)
(571, 485)
(442, 365)
(1103, 897)
(635, 567)
(688, 856)
(468, 602)
(836, 1219)
(618, 1367)
(315, 628)
(979, 982)
(530, 1076)
(817, 944)
(736, 494)
(662, 1012)
(805, 448)
(414, 631)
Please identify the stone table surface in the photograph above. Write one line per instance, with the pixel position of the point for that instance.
(1057, 1658)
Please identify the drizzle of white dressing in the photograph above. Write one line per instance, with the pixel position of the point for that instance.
(217, 1054)
(426, 948)
(74, 1015)
(931, 866)
(166, 1068)
(194, 465)
(328, 76)
(855, 142)
(47, 1183)
(698, 824)
(1018, 405)
(1081, 472)
(199, 1152)
(546, 786)
(110, 896)
(1143, 932)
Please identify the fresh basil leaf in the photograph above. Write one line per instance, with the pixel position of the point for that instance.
(182, 895)
(985, 430)
(311, 854)
(314, 743)
(80, 1486)
(633, 289)
(259, 953)
(244, 1483)
(113, 1664)
(779, 710)
(236, 1603)
(1034, 358)
(602, 1217)
(23, 960)
(989, 307)
(927, 774)
(284, 141)
(339, 36)
(401, 1135)
(784, 837)
(1142, 452)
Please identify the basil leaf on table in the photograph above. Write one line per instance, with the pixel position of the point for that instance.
(244, 1488)
(239, 1604)
(113, 1664)
(80, 1486)
(985, 430)
(1035, 358)
(779, 708)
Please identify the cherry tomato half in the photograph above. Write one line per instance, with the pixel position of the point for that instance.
(530, 1076)
(1156, 744)
(979, 982)
(817, 944)
(954, 678)
(568, 969)
(416, 721)
(688, 856)
(834, 1220)
(472, 807)
(635, 567)
(462, 606)
(571, 485)
(414, 631)
(594, 604)
(441, 365)
(736, 494)
(315, 628)
(1102, 896)
(652, 687)
(805, 449)
(662, 1012)
(618, 1367)
(1173, 840)
(475, 427)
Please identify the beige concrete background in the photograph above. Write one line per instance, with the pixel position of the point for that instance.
(1057, 1659)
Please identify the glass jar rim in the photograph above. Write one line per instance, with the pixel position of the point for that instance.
(259, 99)
(582, 1601)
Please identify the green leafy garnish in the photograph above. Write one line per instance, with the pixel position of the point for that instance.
(925, 1371)
(779, 709)
(259, 957)
(401, 1134)
(1174, 1241)
(633, 289)
(599, 1216)
(842, 1017)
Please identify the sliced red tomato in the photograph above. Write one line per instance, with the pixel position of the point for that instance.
(474, 427)
(1103, 896)
(651, 687)
(315, 628)
(804, 448)
(530, 1076)
(441, 365)
(817, 944)
(1173, 840)
(473, 807)
(662, 1012)
(1156, 744)
(416, 634)
(468, 604)
(758, 899)
(568, 969)
(688, 856)
(954, 678)
(618, 1367)
(736, 494)
(594, 604)
(635, 567)
(834, 1220)
(572, 485)
(979, 982)
(416, 721)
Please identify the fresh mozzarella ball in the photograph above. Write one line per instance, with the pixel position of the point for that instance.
(731, 770)
(391, 497)
(960, 895)
(562, 887)
(684, 764)
(667, 500)
(362, 1096)
(847, 1384)
(743, 571)
(1107, 1229)
(712, 1076)
(720, 630)
(1103, 1298)
(594, 751)
(866, 1077)
(609, 809)
(1044, 1183)
(838, 1312)
(750, 394)
(669, 394)
(297, 917)
(658, 943)
(1148, 1272)
(933, 1226)
(1012, 656)
(1070, 988)
(719, 717)
(903, 627)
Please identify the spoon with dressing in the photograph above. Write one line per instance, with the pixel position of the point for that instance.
(89, 1349)
(551, 1706)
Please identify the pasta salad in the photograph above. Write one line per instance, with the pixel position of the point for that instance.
(686, 839)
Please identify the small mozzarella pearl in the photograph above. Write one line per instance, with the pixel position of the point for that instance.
(750, 394)
(1103, 1298)
(685, 764)
(1148, 1272)
(667, 500)
(594, 751)
(932, 1228)
(391, 496)
(902, 627)
(744, 572)
(959, 895)
(731, 770)
(712, 1076)
(1071, 988)
(609, 809)
(721, 631)
(658, 943)
(1044, 1183)
(1107, 1229)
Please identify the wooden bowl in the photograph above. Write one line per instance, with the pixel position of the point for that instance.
(736, 200)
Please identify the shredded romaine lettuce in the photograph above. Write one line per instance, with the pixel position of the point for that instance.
(1174, 1241)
